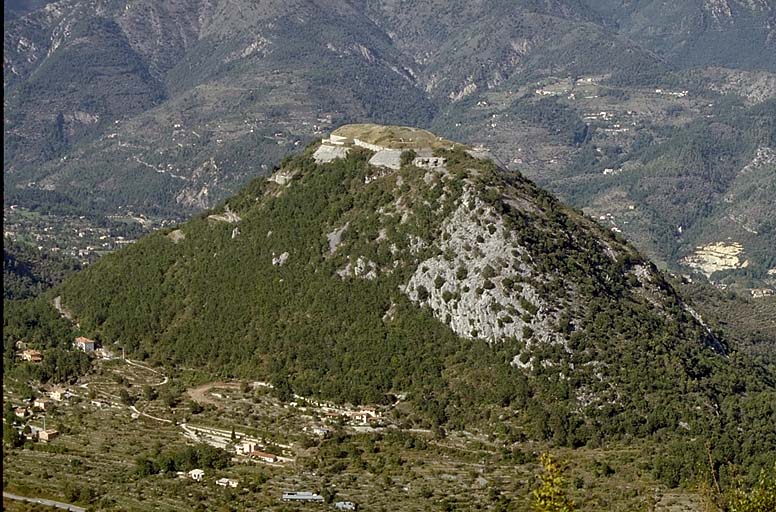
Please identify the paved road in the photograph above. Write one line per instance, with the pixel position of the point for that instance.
(50, 503)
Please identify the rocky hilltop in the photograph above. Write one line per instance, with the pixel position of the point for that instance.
(446, 280)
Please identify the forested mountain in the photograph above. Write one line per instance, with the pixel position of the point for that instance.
(456, 284)
(28, 271)
(167, 108)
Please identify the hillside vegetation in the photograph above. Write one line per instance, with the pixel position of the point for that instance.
(464, 289)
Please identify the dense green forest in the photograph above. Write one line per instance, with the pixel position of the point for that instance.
(28, 272)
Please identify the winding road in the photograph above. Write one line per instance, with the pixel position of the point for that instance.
(165, 378)
(50, 503)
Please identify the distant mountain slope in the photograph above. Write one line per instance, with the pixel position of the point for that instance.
(167, 108)
(705, 183)
(731, 33)
(240, 82)
(90, 80)
(460, 285)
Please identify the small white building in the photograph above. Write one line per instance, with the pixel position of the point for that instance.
(196, 474)
(245, 448)
(227, 482)
(85, 344)
(363, 416)
(41, 404)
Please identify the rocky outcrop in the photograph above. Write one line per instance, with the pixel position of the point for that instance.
(476, 284)
(281, 260)
(176, 236)
(228, 216)
(325, 153)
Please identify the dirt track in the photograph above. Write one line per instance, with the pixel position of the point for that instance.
(199, 394)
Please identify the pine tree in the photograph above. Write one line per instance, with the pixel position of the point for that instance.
(760, 498)
(11, 436)
(550, 496)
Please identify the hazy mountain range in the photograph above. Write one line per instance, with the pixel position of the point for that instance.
(655, 118)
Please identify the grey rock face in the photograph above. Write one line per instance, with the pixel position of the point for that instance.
(390, 158)
(475, 285)
(325, 153)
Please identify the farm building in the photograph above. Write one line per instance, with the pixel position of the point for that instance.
(45, 436)
(266, 457)
(227, 482)
(33, 356)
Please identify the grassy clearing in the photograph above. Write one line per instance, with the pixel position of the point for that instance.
(396, 137)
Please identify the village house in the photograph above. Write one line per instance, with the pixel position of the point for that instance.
(245, 448)
(363, 416)
(85, 344)
(20, 412)
(41, 404)
(264, 456)
(196, 474)
(44, 436)
(59, 394)
(33, 356)
(345, 505)
(227, 482)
